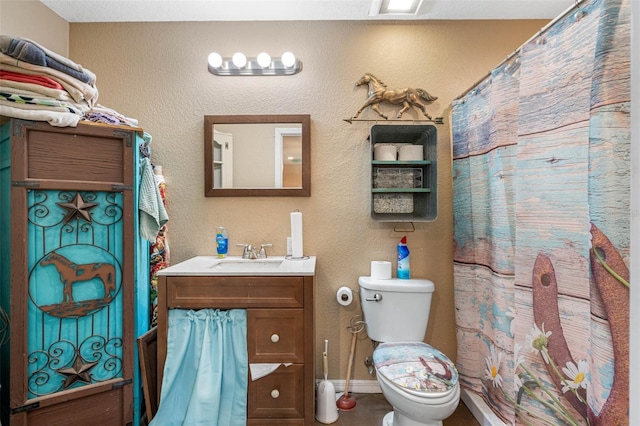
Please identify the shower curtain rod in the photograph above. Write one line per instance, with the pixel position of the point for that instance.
(544, 29)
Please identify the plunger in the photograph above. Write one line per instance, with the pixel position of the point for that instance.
(346, 401)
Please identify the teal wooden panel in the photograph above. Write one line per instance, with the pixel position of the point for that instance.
(5, 254)
(142, 301)
(91, 323)
(5, 213)
(75, 289)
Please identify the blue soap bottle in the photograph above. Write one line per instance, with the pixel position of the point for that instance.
(404, 268)
(222, 242)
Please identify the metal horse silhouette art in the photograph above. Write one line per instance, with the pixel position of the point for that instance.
(378, 92)
(71, 273)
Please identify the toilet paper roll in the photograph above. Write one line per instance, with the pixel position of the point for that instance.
(385, 153)
(296, 235)
(381, 270)
(410, 153)
(344, 296)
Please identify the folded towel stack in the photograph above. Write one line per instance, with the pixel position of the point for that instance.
(38, 84)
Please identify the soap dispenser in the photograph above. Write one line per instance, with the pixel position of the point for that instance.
(222, 242)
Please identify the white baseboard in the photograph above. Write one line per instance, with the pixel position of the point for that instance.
(356, 386)
(480, 409)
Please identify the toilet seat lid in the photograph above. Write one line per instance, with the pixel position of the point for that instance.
(415, 366)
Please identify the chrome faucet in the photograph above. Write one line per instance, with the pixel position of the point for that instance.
(249, 251)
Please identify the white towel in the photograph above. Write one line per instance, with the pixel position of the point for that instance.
(55, 118)
(259, 370)
(152, 212)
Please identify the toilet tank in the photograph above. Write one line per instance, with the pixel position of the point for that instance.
(396, 310)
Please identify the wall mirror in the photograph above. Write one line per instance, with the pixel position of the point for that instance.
(257, 155)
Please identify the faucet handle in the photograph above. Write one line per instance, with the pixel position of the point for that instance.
(246, 253)
(262, 254)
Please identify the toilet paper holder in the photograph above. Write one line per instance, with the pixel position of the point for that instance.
(344, 296)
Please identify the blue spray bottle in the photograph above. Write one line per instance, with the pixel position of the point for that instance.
(404, 268)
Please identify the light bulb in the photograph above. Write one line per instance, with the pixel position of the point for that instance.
(264, 60)
(288, 59)
(400, 5)
(215, 60)
(239, 60)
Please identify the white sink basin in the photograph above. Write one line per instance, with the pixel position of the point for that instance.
(246, 265)
(237, 266)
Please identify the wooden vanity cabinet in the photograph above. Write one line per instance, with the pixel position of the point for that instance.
(279, 330)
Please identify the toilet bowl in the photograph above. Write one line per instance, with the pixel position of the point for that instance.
(419, 381)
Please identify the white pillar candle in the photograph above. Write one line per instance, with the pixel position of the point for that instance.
(296, 235)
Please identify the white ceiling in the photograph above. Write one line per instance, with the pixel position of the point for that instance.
(298, 10)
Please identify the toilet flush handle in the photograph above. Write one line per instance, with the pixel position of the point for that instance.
(376, 298)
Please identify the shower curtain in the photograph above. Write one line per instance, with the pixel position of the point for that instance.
(206, 370)
(542, 225)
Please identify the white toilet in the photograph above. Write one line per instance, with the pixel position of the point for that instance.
(419, 381)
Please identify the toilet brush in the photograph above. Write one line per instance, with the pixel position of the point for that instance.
(346, 401)
(326, 411)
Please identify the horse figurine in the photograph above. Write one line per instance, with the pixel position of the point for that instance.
(71, 273)
(378, 92)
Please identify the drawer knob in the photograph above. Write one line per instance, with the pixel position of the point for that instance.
(275, 338)
(275, 393)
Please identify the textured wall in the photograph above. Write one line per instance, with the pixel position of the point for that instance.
(157, 73)
(35, 21)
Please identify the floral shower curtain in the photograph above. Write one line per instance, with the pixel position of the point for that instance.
(541, 225)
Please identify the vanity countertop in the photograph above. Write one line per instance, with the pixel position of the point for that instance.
(237, 266)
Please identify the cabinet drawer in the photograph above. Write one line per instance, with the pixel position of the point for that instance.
(279, 394)
(275, 335)
(234, 292)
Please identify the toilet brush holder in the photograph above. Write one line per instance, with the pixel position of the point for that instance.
(326, 410)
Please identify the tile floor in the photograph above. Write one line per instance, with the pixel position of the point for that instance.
(371, 407)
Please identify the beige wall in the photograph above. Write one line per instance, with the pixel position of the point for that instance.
(157, 73)
(33, 20)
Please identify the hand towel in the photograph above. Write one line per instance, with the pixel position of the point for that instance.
(153, 215)
(259, 370)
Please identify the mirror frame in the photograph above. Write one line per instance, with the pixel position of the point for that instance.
(302, 119)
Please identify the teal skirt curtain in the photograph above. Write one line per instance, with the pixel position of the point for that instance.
(541, 166)
(206, 370)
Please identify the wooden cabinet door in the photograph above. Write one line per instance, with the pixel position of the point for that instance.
(71, 275)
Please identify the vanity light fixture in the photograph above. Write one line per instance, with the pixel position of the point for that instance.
(263, 64)
(394, 7)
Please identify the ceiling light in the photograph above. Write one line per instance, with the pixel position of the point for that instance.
(394, 7)
(263, 64)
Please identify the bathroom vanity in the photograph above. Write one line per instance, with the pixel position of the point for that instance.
(278, 295)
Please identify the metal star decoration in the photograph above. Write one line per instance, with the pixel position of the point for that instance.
(78, 372)
(77, 208)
